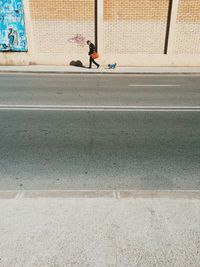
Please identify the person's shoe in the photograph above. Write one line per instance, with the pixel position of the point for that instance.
(98, 66)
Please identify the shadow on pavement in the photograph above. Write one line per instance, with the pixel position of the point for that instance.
(77, 63)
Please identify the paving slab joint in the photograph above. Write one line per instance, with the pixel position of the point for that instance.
(119, 194)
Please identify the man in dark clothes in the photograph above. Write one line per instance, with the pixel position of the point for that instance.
(92, 49)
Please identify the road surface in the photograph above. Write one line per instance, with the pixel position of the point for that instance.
(99, 132)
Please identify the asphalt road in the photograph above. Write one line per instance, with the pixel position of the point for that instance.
(98, 90)
(90, 149)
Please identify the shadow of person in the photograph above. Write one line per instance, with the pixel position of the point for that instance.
(76, 63)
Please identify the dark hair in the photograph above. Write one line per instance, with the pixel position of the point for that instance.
(88, 41)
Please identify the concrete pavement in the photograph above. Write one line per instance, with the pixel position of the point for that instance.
(101, 70)
(108, 231)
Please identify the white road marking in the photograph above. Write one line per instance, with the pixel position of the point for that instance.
(154, 85)
(100, 108)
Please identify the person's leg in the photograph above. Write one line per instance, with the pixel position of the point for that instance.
(90, 63)
(95, 63)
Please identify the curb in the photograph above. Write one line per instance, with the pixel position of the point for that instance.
(103, 72)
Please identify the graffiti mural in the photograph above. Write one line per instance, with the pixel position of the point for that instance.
(78, 39)
(12, 31)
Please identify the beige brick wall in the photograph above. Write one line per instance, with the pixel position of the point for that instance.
(189, 11)
(148, 10)
(70, 10)
(62, 26)
(134, 27)
(130, 32)
(187, 37)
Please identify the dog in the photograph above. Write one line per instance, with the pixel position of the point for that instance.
(112, 66)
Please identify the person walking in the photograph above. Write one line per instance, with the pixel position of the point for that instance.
(92, 51)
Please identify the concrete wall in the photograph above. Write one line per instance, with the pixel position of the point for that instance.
(130, 32)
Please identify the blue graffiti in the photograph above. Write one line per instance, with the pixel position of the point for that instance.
(12, 31)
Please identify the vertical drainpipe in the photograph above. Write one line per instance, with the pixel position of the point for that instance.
(171, 26)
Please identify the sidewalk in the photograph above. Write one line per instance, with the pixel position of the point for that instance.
(99, 229)
(101, 70)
